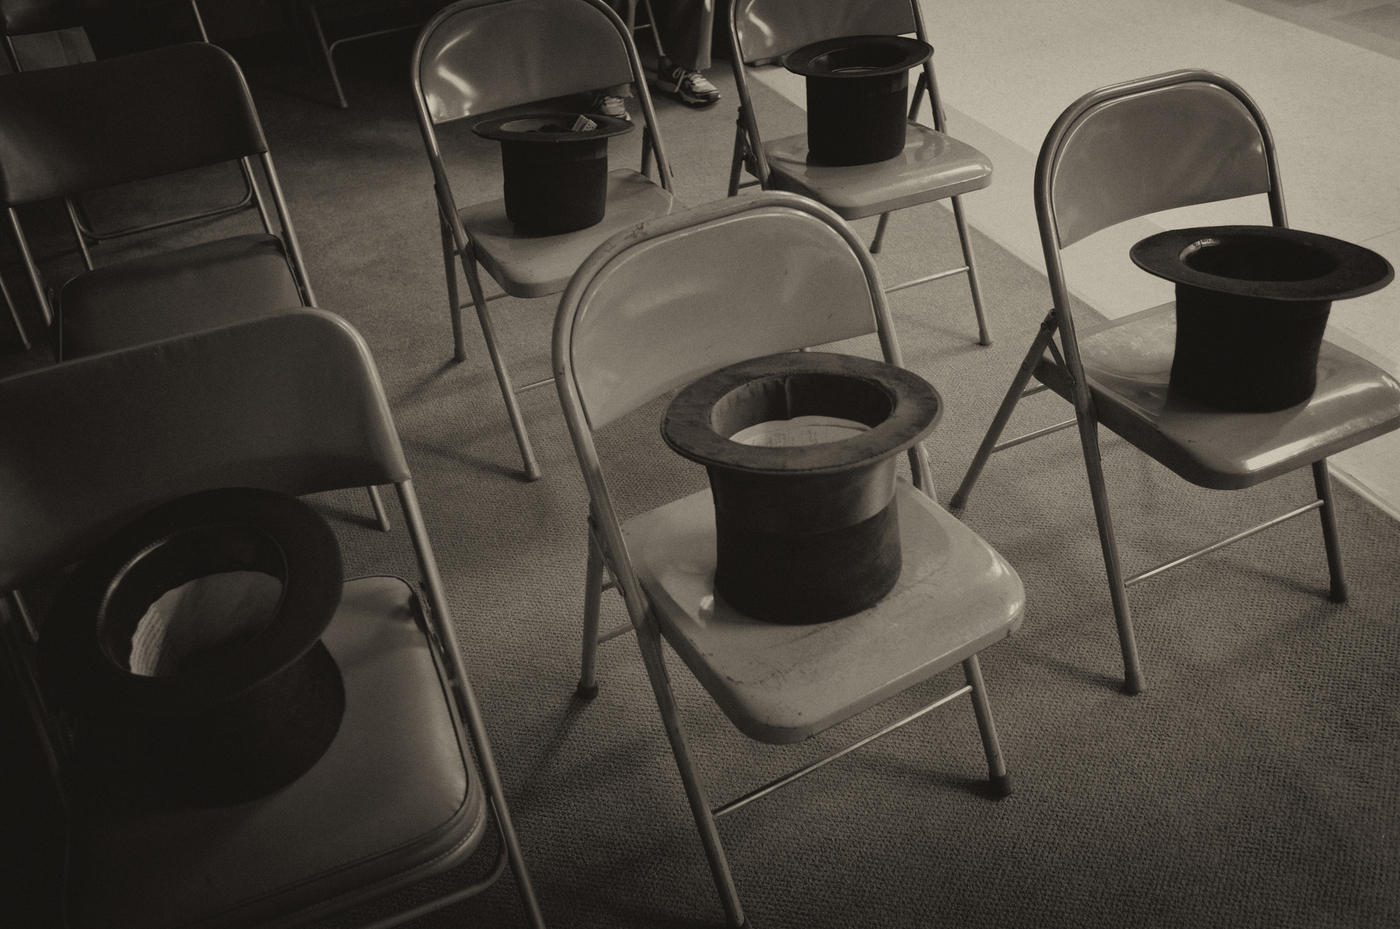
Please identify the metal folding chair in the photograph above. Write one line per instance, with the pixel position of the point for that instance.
(667, 302)
(408, 787)
(88, 126)
(50, 33)
(933, 166)
(1172, 140)
(476, 57)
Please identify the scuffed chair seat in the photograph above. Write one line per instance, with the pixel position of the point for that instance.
(933, 166)
(417, 801)
(174, 292)
(782, 683)
(537, 266)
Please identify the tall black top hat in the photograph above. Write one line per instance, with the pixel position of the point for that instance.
(555, 166)
(218, 704)
(806, 530)
(1251, 307)
(857, 95)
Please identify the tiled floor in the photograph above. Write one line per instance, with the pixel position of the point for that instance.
(1326, 74)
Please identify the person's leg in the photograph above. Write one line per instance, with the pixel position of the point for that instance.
(685, 28)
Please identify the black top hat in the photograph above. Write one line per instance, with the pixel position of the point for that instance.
(1268, 262)
(805, 532)
(217, 705)
(555, 166)
(857, 95)
(1251, 308)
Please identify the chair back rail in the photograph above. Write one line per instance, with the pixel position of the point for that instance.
(815, 291)
(571, 47)
(25, 17)
(1173, 140)
(769, 29)
(289, 402)
(101, 123)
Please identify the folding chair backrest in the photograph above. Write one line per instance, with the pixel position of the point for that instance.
(289, 402)
(92, 125)
(657, 307)
(25, 17)
(1172, 140)
(769, 29)
(477, 56)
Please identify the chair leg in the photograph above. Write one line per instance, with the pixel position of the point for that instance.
(381, 515)
(649, 641)
(1133, 681)
(1008, 405)
(736, 167)
(998, 780)
(1330, 538)
(454, 299)
(592, 601)
(517, 421)
(964, 237)
(879, 239)
(14, 315)
(326, 53)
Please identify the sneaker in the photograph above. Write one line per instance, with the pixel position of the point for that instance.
(689, 87)
(610, 105)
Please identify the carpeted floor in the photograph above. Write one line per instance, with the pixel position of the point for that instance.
(1257, 783)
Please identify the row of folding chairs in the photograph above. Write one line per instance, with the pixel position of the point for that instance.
(620, 341)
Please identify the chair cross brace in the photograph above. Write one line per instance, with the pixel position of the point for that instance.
(1176, 562)
(804, 770)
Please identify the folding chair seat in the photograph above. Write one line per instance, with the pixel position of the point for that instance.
(933, 165)
(478, 57)
(1168, 141)
(408, 787)
(673, 300)
(194, 288)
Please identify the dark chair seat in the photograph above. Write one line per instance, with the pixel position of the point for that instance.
(175, 292)
(417, 799)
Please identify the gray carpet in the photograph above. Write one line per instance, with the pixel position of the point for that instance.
(1257, 783)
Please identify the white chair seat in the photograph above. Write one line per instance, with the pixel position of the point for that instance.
(537, 266)
(782, 683)
(1128, 362)
(933, 166)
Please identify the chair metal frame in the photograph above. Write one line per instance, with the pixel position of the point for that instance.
(1060, 367)
(378, 455)
(750, 157)
(608, 550)
(458, 244)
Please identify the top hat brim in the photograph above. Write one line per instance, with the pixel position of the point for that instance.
(901, 54)
(530, 127)
(232, 529)
(915, 406)
(1344, 269)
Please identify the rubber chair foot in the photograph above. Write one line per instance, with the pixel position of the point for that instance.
(1134, 688)
(586, 692)
(999, 786)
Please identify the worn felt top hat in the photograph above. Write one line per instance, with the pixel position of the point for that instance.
(186, 649)
(800, 449)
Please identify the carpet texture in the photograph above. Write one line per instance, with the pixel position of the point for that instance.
(1256, 783)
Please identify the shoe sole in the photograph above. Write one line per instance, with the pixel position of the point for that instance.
(674, 91)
